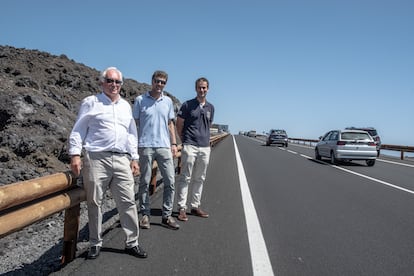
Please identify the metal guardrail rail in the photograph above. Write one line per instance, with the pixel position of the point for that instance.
(24, 203)
(401, 149)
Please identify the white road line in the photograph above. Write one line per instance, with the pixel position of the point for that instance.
(291, 151)
(396, 163)
(260, 258)
(376, 180)
(367, 177)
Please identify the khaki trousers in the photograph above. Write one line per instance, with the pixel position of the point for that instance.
(103, 170)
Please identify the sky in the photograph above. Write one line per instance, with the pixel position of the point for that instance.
(306, 66)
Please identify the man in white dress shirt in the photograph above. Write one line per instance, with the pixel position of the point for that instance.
(106, 130)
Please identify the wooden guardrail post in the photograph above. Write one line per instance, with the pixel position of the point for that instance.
(71, 227)
(178, 170)
(153, 177)
(70, 233)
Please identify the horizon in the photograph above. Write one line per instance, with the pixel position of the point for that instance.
(299, 66)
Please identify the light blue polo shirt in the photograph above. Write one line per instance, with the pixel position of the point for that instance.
(153, 116)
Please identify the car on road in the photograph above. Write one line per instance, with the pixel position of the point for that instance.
(347, 145)
(277, 137)
(374, 134)
(251, 133)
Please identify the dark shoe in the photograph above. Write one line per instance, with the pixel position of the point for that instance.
(170, 223)
(182, 215)
(94, 252)
(144, 223)
(198, 212)
(136, 251)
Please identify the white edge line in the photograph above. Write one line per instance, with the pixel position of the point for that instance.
(367, 177)
(374, 179)
(260, 258)
(395, 163)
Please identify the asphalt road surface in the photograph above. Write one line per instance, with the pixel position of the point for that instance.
(305, 218)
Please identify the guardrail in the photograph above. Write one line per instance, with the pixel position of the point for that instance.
(24, 203)
(401, 149)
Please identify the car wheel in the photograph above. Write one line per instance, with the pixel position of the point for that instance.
(334, 161)
(286, 145)
(317, 155)
(267, 144)
(370, 163)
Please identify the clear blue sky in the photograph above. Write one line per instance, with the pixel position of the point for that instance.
(306, 66)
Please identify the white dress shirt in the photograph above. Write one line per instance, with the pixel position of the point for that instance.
(103, 125)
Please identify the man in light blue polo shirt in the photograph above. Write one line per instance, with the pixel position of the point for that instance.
(154, 115)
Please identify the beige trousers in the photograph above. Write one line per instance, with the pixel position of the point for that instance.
(103, 170)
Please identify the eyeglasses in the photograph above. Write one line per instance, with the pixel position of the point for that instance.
(157, 81)
(113, 81)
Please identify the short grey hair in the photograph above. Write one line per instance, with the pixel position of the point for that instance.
(104, 72)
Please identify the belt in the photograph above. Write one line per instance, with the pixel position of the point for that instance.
(116, 152)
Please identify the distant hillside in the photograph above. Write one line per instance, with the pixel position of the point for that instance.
(39, 98)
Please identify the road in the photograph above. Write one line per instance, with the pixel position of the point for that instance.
(315, 219)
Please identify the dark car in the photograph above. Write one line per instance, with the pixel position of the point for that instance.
(374, 134)
(277, 137)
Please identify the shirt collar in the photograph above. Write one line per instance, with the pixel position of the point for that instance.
(159, 99)
(205, 103)
(104, 98)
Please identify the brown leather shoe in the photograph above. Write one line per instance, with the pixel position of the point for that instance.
(198, 212)
(170, 223)
(144, 223)
(182, 215)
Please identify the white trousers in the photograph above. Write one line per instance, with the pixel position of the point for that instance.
(103, 170)
(194, 163)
